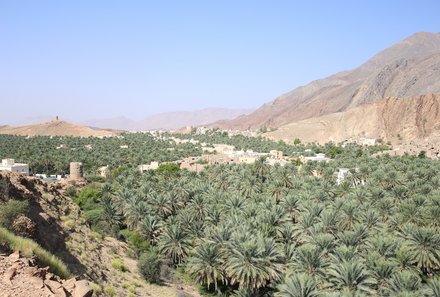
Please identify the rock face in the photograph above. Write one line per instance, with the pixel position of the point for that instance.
(24, 226)
(407, 69)
(20, 277)
(415, 119)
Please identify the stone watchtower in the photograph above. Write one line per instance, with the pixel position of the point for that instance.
(76, 170)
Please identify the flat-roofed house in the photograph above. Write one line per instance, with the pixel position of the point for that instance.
(11, 166)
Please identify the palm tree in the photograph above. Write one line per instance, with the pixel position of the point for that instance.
(310, 260)
(205, 264)
(433, 287)
(298, 285)
(423, 242)
(150, 227)
(134, 210)
(109, 214)
(291, 204)
(381, 268)
(174, 243)
(245, 265)
(162, 205)
(261, 169)
(351, 276)
(272, 257)
(404, 282)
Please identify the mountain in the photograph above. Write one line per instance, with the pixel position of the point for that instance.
(180, 119)
(171, 120)
(415, 119)
(406, 69)
(56, 128)
(118, 123)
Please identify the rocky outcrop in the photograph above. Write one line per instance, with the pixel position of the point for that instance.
(25, 227)
(415, 119)
(21, 277)
(407, 69)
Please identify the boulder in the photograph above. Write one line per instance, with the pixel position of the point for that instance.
(24, 226)
(82, 289)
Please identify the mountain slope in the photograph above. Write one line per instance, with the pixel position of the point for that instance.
(56, 128)
(410, 119)
(117, 123)
(180, 119)
(170, 120)
(408, 68)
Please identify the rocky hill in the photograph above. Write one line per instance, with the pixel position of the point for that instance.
(56, 223)
(407, 69)
(21, 275)
(415, 119)
(56, 128)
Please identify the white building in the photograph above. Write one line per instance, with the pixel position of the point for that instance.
(152, 166)
(11, 166)
(276, 154)
(317, 158)
(342, 173)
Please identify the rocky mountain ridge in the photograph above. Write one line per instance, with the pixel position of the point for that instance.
(170, 120)
(407, 69)
(414, 119)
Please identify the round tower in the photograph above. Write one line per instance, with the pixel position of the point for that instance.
(76, 170)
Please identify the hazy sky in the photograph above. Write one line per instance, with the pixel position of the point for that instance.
(100, 59)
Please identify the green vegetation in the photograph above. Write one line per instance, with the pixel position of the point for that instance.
(137, 242)
(260, 230)
(168, 168)
(109, 291)
(29, 248)
(118, 264)
(10, 210)
(149, 266)
(42, 155)
(267, 230)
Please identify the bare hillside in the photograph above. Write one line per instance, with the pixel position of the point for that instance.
(56, 128)
(409, 119)
(406, 69)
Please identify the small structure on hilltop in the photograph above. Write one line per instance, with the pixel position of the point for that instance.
(11, 166)
(76, 170)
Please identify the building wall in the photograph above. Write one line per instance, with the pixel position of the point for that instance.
(247, 160)
(21, 168)
(76, 170)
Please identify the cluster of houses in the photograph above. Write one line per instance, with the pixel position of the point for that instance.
(226, 154)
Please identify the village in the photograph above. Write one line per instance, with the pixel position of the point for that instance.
(213, 154)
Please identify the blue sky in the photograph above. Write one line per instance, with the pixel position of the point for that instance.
(101, 59)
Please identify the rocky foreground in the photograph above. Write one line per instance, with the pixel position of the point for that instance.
(21, 277)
